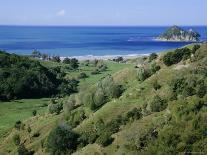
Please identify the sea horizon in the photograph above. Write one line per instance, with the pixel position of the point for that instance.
(81, 41)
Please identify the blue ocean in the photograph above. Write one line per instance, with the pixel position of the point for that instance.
(81, 41)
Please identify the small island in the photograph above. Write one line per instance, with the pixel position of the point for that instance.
(176, 33)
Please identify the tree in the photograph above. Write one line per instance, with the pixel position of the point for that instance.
(74, 63)
(55, 58)
(152, 57)
(36, 54)
(62, 140)
(34, 112)
(16, 139)
(66, 61)
(143, 74)
(195, 48)
(158, 104)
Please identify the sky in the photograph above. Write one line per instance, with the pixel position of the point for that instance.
(103, 12)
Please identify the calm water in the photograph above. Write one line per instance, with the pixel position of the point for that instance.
(80, 41)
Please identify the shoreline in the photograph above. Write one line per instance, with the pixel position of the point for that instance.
(105, 57)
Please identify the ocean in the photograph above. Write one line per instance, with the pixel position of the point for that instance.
(85, 41)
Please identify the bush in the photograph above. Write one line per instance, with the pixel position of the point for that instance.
(134, 114)
(16, 139)
(18, 125)
(82, 76)
(158, 104)
(156, 85)
(62, 140)
(152, 57)
(55, 108)
(68, 87)
(36, 134)
(104, 139)
(22, 150)
(175, 57)
(143, 74)
(154, 67)
(201, 92)
(95, 71)
(195, 48)
(34, 112)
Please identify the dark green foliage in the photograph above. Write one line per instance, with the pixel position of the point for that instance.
(104, 139)
(82, 76)
(175, 57)
(36, 134)
(18, 125)
(29, 130)
(156, 85)
(21, 77)
(68, 87)
(55, 108)
(76, 117)
(55, 58)
(119, 59)
(34, 112)
(154, 68)
(158, 104)
(143, 73)
(16, 139)
(62, 140)
(152, 57)
(195, 48)
(201, 92)
(22, 150)
(74, 64)
(95, 71)
(105, 90)
(134, 114)
(36, 54)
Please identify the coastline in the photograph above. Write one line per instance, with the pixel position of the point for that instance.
(105, 57)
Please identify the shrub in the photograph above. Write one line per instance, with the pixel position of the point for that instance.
(36, 134)
(29, 129)
(68, 87)
(16, 139)
(18, 125)
(134, 114)
(34, 112)
(62, 140)
(143, 74)
(95, 71)
(201, 92)
(55, 108)
(154, 67)
(82, 76)
(158, 104)
(104, 139)
(22, 150)
(175, 57)
(156, 85)
(152, 57)
(195, 48)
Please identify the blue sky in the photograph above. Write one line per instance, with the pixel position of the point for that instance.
(103, 12)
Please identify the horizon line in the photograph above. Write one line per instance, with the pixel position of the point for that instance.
(31, 25)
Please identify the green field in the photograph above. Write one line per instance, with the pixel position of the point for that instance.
(13, 111)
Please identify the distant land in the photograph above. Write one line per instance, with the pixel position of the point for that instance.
(176, 33)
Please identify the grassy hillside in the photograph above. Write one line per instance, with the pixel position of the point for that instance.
(151, 105)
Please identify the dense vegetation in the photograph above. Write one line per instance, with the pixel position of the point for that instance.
(157, 107)
(21, 77)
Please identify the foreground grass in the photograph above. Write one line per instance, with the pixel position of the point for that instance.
(10, 112)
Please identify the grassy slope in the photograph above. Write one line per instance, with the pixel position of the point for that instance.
(10, 112)
(135, 95)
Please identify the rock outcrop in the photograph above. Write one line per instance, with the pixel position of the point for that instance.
(176, 33)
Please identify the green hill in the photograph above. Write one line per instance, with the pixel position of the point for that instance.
(159, 106)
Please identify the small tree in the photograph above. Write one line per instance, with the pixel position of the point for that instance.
(16, 139)
(74, 63)
(62, 140)
(34, 112)
(66, 61)
(152, 57)
(143, 74)
(18, 125)
(158, 104)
